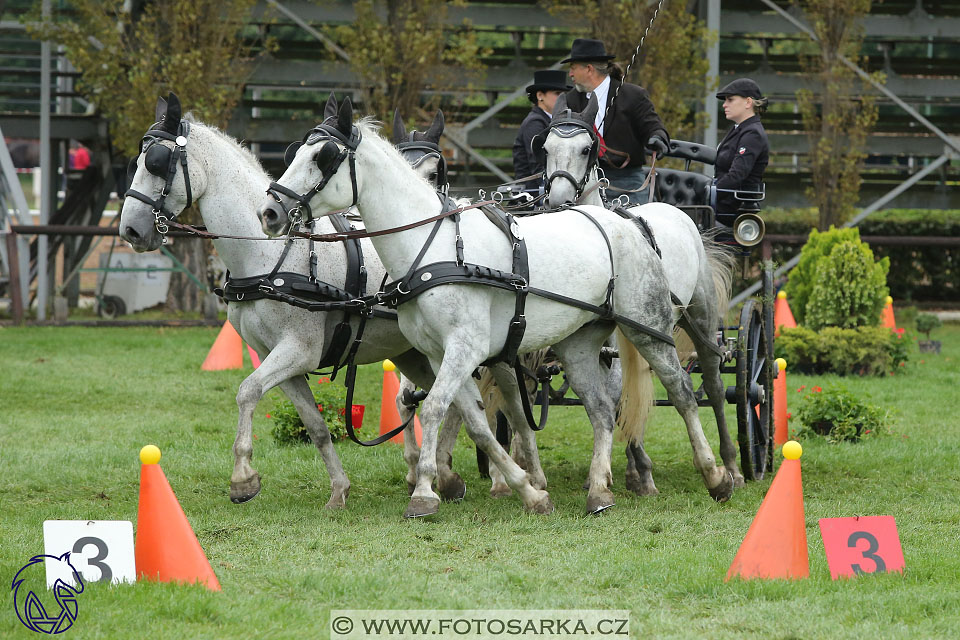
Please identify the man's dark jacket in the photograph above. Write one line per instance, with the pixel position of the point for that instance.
(524, 164)
(628, 125)
(742, 157)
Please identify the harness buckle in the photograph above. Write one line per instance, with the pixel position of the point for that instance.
(265, 288)
(519, 284)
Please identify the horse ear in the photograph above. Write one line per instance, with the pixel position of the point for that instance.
(171, 122)
(560, 105)
(436, 129)
(330, 109)
(161, 109)
(399, 129)
(589, 115)
(345, 117)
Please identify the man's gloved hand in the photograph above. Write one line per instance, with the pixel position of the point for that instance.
(655, 143)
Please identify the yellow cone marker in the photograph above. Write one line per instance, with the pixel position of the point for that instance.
(781, 295)
(889, 300)
(150, 454)
(781, 364)
(388, 366)
(792, 450)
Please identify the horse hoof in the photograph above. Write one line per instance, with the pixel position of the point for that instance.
(599, 503)
(641, 487)
(542, 507)
(500, 491)
(738, 481)
(241, 492)
(421, 507)
(723, 491)
(339, 499)
(453, 488)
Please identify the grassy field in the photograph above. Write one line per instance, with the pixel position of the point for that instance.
(76, 405)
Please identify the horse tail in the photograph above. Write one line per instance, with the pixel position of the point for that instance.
(636, 396)
(721, 262)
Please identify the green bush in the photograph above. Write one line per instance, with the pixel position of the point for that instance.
(861, 351)
(331, 397)
(849, 288)
(803, 277)
(839, 416)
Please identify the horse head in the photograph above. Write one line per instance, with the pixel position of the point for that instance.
(568, 149)
(315, 161)
(422, 150)
(162, 182)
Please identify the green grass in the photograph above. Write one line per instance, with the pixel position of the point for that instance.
(76, 405)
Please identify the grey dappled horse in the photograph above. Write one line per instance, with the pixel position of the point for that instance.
(577, 254)
(697, 269)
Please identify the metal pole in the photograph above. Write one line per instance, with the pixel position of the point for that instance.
(16, 295)
(46, 170)
(893, 193)
(456, 140)
(713, 75)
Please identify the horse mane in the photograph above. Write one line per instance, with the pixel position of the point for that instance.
(370, 130)
(248, 156)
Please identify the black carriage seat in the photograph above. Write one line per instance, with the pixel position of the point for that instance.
(686, 189)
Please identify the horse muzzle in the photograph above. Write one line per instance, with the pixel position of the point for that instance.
(273, 219)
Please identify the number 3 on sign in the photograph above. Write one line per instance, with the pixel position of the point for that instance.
(859, 545)
(100, 550)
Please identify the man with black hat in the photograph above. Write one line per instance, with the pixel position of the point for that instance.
(626, 121)
(543, 93)
(743, 153)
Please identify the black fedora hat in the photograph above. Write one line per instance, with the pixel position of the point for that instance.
(588, 50)
(549, 80)
(744, 87)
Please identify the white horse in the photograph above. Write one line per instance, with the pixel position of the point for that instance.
(227, 183)
(580, 254)
(697, 269)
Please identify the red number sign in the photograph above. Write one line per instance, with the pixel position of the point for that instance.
(868, 544)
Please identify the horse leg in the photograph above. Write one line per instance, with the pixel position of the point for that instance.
(665, 363)
(639, 471)
(525, 444)
(417, 370)
(582, 367)
(284, 360)
(411, 450)
(298, 390)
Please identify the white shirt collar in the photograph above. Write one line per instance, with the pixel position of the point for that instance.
(601, 92)
(549, 115)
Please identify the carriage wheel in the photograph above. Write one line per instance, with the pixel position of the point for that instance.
(754, 392)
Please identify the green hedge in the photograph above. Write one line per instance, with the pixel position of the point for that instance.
(861, 351)
(916, 273)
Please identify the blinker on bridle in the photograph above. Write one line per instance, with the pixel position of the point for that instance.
(427, 150)
(328, 159)
(161, 161)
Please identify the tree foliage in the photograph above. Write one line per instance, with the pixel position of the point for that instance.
(672, 65)
(402, 47)
(839, 119)
(191, 47)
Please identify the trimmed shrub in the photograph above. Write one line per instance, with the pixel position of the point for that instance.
(839, 416)
(803, 277)
(330, 397)
(861, 351)
(849, 288)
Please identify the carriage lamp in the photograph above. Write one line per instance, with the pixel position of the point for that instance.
(748, 229)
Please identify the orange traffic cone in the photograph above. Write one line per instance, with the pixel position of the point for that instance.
(782, 315)
(780, 404)
(776, 544)
(254, 358)
(166, 548)
(886, 317)
(389, 415)
(226, 352)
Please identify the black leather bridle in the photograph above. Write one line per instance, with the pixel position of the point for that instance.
(162, 162)
(567, 126)
(409, 150)
(328, 159)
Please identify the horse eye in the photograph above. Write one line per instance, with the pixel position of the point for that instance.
(586, 151)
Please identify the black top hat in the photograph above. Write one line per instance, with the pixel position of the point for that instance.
(587, 50)
(549, 80)
(741, 87)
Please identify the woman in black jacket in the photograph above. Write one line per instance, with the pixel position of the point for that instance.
(743, 154)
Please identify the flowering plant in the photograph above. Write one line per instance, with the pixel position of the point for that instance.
(330, 398)
(839, 415)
